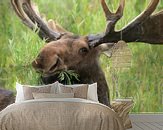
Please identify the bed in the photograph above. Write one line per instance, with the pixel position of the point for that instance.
(64, 113)
(59, 114)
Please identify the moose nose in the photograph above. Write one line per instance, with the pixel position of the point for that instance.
(37, 66)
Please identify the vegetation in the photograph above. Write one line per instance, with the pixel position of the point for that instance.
(19, 46)
(67, 76)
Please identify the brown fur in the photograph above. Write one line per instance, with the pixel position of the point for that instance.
(86, 64)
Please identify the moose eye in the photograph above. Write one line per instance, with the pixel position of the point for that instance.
(83, 50)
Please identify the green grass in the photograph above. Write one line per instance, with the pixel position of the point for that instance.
(19, 46)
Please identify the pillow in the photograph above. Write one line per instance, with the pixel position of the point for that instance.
(27, 90)
(79, 92)
(50, 95)
(91, 93)
(19, 94)
(24, 92)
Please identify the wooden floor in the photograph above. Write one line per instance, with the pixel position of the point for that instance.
(147, 121)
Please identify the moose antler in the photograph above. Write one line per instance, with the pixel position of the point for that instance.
(31, 18)
(145, 28)
(112, 18)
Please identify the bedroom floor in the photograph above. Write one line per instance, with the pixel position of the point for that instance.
(147, 121)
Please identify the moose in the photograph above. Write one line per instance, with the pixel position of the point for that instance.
(65, 50)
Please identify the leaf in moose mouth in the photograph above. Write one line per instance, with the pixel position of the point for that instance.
(67, 76)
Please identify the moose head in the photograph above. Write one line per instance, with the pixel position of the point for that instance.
(65, 50)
